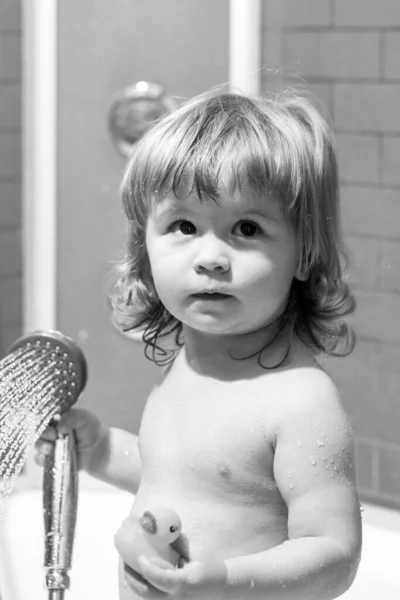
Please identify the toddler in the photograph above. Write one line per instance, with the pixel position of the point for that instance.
(233, 276)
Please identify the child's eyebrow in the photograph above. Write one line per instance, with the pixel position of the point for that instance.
(172, 210)
(265, 214)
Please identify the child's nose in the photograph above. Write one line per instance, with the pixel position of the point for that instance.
(212, 257)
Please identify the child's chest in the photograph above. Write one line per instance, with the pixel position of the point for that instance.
(215, 434)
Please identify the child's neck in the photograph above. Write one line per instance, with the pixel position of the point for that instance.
(219, 356)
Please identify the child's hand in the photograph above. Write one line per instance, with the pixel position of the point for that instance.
(196, 580)
(88, 432)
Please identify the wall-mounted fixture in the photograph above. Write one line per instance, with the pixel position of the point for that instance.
(132, 112)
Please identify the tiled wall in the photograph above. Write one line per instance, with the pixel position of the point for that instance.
(348, 51)
(10, 172)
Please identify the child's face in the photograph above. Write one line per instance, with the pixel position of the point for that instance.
(242, 247)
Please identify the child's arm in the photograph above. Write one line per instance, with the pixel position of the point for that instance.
(116, 459)
(314, 468)
(109, 454)
(315, 472)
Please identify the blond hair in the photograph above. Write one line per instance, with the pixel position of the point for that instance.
(279, 144)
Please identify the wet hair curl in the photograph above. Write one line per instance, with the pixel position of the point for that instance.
(278, 144)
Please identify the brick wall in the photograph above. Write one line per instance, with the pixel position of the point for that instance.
(10, 172)
(348, 52)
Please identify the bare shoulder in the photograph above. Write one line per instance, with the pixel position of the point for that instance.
(310, 397)
(308, 382)
(305, 397)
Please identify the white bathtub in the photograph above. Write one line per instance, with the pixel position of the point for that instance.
(94, 571)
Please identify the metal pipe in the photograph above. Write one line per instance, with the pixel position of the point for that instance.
(39, 46)
(245, 43)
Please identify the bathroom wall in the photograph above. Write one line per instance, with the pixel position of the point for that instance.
(348, 51)
(10, 172)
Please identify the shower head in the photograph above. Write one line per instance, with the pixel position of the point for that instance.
(58, 356)
(44, 373)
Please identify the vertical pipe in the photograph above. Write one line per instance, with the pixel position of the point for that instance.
(39, 164)
(245, 44)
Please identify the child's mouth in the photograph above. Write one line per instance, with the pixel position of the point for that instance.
(211, 296)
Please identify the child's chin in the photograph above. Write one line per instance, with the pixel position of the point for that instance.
(212, 330)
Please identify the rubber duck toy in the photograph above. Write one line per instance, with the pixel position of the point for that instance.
(150, 535)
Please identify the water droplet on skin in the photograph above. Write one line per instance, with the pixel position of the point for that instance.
(312, 460)
(291, 486)
(320, 444)
(224, 470)
(299, 443)
(289, 474)
(252, 583)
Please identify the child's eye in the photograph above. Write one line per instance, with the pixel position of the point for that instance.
(184, 227)
(248, 228)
